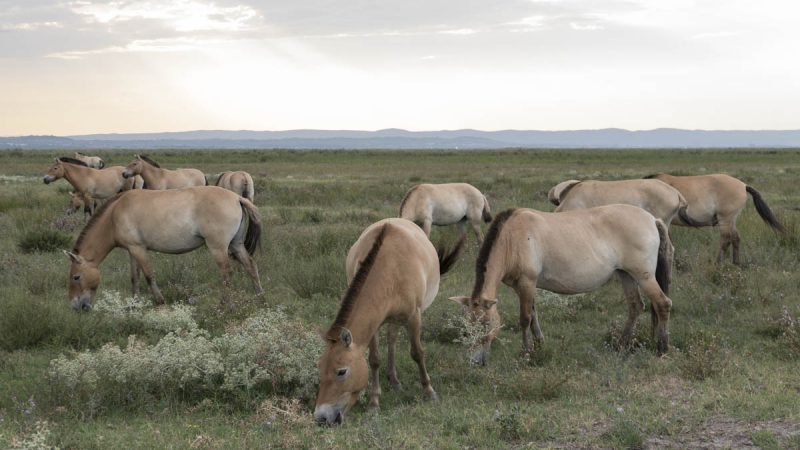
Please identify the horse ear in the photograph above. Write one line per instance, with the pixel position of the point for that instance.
(56, 160)
(346, 337)
(461, 300)
(487, 304)
(75, 258)
(137, 157)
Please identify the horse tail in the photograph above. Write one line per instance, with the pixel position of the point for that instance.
(487, 212)
(664, 262)
(219, 179)
(764, 211)
(249, 190)
(405, 199)
(205, 177)
(448, 258)
(252, 238)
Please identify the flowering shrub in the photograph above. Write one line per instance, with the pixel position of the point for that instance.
(266, 351)
(162, 319)
(36, 440)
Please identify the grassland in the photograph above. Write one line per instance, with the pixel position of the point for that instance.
(731, 378)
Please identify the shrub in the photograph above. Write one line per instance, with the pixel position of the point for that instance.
(705, 356)
(266, 351)
(44, 240)
(787, 333)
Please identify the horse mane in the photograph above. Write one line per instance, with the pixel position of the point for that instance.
(79, 153)
(652, 175)
(147, 159)
(350, 296)
(69, 160)
(486, 250)
(405, 198)
(566, 190)
(93, 221)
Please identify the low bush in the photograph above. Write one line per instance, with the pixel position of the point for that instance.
(44, 240)
(705, 355)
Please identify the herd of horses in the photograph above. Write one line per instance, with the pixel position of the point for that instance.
(598, 229)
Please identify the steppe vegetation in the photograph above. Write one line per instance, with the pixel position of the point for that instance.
(195, 375)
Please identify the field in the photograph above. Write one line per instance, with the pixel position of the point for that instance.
(731, 377)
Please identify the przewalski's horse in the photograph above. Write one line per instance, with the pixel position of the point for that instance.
(718, 199)
(95, 162)
(570, 253)
(89, 183)
(393, 272)
(659, 199)
(240, 182)
(446, 204)
(159, 179)
(172, 221)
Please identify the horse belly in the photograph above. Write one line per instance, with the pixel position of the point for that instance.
(174, 244)
(448, 214)
(573, 283)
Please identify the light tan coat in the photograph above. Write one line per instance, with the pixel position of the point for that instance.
(446, 204)
(240, 182)
(95, 162)
(159, 179)
(88, 183)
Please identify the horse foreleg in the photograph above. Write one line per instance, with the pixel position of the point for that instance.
(527, 313)
(661, 305)
(426, 226)
(414, 326)
(140, 254)
(374, 366)
(391, 345)
(635, 308)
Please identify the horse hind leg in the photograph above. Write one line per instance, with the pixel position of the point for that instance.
(662, 306)
(241, 255)
(635, 308)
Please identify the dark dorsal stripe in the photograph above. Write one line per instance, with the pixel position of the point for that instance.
(93, 221)
(486, 250)
(405, 198)
(147, 159)
(69, 160)
(566, 190)
(653, 175)
(351, 295)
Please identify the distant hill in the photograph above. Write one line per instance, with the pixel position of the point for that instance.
(394, 138)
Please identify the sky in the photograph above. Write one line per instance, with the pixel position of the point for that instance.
(85, 66)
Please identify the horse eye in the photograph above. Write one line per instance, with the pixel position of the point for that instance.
(76, 277)
(341, 372)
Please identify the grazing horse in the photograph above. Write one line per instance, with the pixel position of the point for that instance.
(659, 199)
(718, 199)
(393, 272)
(173, 221)
(95, 162)
(569, 253)
(88, 183)
(159, 179)
(446, 204)
(240, 182)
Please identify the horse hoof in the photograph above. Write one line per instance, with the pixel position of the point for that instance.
(432, 397)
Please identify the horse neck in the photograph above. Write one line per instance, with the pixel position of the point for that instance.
(150, 174)
(76, 175)
(99, 240)
(497, 267)
(367, 316)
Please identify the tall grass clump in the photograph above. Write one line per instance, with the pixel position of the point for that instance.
(267, 352)
(43, 240)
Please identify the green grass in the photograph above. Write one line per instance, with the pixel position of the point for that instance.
(735, 356)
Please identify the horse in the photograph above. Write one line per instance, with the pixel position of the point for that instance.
(95, 162)
(75, 202)
(568, 253)
(393, 272)
(172, 221)
(718, 199)
(88, 183)
(157, 178)
(446, 204)
(240, 182)
(659, 199)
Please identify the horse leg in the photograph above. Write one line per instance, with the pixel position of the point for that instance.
(661, 305)
(374, 365)
(524, 288)
(223, 263)
(426, 226)
(735, 244)
(635, 308)
(725, 241)
(134, 275)
(476, 227)
(140, 254)
(87, 203)
(241, 255)
(414, 326)
(391, 368)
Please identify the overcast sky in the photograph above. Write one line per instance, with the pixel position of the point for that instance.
(86, 66)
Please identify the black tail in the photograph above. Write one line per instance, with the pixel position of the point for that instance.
(684, 215)
(448, 258)
(218, 180)
(252, 237)
(764, 211)
(487, 212)
(664, 262)
(206, 178)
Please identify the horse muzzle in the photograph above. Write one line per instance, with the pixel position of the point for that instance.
(480, 357)
(81, 303)
(47, 179)
(328, 415)
(126, 174)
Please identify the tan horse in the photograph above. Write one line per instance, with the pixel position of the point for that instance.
(446, 204)
(393, 272)
(89, 183)
(718, 199)
(159, 179)
(95, 162)
(240, 182)
(173, 221)
(569, 253)
(659, 199)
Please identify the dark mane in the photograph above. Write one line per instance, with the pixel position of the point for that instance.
(69, 160)
(652, 175)
(405, 198)
(350, 296)
(147, 159)
(486, 250)
(566, 190)
(93, 220)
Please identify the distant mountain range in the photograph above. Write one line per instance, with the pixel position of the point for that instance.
(402, 139)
